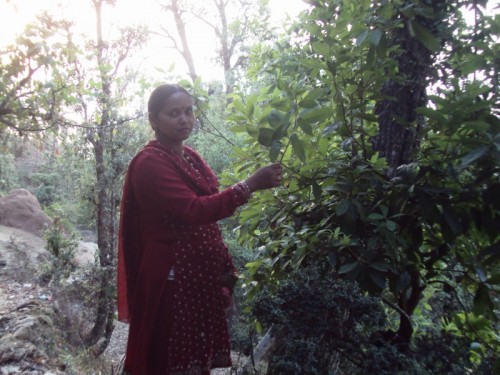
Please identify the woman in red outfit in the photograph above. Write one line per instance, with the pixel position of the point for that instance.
(172, 259)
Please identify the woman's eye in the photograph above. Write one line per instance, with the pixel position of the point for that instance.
(174, 114)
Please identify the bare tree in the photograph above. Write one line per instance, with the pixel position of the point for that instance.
(236, 25)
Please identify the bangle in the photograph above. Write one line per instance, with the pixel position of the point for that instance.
(243, 190)
(246, 187)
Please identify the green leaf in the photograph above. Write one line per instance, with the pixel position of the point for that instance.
(372, 56)
(375, 37)
(345, 268)
(432, 114)
(376, 216)
(381, 266)
(253, 266)
(316, 114)
(310, 101)
(298, 147)
(266, 137)
(306, 127)
(476, 125)
(482, 303)
(408, 11)
(366, 116)
(472, 63)
(386, 11)
(321, 48)
(474, 155)
(250, 107)
(361, 37)
(391, 225)
(342, 207)
(274, 151)
(425, 37)
(275, 119)
(258, 328)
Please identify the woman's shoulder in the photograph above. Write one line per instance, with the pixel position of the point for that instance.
(153, 148)
(151, 154)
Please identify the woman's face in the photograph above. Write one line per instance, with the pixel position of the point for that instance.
(174, 123)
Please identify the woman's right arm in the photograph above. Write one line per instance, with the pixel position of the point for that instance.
(158, 186)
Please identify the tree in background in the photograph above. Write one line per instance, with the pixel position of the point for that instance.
(100, 81)
(392, 187)
(236, 24)
(94, 117)
(32, 83)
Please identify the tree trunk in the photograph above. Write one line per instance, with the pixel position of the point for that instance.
(408, 301)
(399, 123)
(185, 50)
(104, 319)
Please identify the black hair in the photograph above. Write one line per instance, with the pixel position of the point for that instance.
(160, 94)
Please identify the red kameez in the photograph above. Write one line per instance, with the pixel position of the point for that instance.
(168, 221)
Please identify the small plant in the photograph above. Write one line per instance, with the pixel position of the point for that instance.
(9, 178)
(61, 247)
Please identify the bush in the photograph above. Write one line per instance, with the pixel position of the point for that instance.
(9, 178)
(61, 247)
(323, 325)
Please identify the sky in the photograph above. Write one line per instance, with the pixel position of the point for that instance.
(17, 13)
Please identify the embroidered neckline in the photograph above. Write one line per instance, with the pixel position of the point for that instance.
(192, 165)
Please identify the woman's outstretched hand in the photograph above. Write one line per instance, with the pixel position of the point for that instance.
(266, 177)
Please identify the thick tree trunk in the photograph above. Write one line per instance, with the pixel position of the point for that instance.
(399, 123)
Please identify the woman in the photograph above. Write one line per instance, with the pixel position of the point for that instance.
(172, 262)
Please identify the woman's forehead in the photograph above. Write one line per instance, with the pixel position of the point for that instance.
(179, 99)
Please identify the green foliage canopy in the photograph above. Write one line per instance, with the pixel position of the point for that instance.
(435, 221)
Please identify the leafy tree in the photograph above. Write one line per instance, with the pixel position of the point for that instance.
(109, 166)
(98, 78)
(33, 85)
(331, 110)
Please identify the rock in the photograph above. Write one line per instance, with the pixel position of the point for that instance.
(20, 209)
(88, 236)
(25, 332)
(85, 253)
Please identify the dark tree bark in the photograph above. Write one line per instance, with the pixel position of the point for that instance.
(399, 123)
